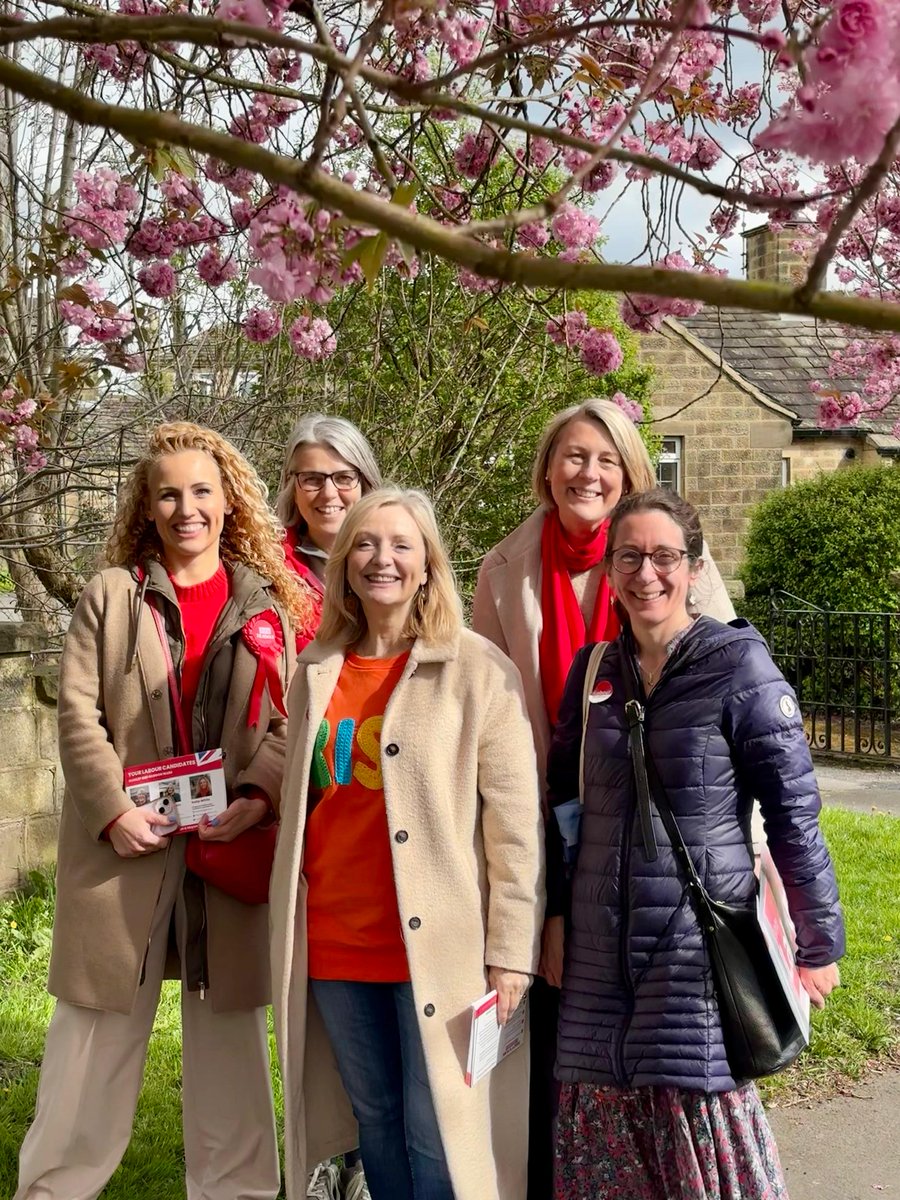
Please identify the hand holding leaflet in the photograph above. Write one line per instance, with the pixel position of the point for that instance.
(489, 1041)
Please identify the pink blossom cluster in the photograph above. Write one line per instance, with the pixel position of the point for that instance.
(462, 34)
(23, 437)
(573, 228)
(98, 319)
(297, 251)
(632, 410)
(837, 411)
(215, 270)
(475, 153)
(105, 200)
(601, 352)
(312, 338)
(265, 114)
(849, 97)
(157, 279)
(570, 330)
(261, 325)
(645, 314)
(599, 348)
(124, 60)
(248, 12)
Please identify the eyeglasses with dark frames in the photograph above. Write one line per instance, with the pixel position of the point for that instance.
(663, 559)
(314, 481)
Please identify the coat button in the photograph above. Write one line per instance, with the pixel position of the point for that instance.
(156, 693)
(168, 751)
(401, 836)
(429, 1010)
(391, 749)
(414, 922)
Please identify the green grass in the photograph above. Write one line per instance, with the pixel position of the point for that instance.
(154, 1163)
(860, 1026)
(861, 1022)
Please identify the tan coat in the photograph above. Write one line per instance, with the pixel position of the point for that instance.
(507, 611)
(462, 784)
(114, 710)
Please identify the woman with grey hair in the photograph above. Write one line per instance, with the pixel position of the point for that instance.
(328, 466)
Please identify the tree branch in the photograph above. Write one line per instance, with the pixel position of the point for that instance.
(142, 127)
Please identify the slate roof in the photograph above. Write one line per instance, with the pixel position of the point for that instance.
(780, 354)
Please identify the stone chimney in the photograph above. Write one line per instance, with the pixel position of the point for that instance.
(768, 254)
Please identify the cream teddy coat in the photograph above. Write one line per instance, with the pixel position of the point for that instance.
(461, 792)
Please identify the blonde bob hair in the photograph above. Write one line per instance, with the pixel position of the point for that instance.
(436, 613)
(638, 470)
(250, 534)
(339, 436)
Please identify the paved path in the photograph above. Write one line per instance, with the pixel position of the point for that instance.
(876, 790)
(847, 1147)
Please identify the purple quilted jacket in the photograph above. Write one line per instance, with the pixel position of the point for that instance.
(723, 727)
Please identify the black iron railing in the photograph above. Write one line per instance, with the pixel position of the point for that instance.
(845, 669)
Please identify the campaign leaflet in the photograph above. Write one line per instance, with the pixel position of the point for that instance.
(779, 933)
(489, 1041)
(185, 788)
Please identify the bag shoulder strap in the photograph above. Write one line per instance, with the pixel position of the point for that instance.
(590, 678)
(646, 767)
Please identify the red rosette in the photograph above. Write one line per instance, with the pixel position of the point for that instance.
(263, 636)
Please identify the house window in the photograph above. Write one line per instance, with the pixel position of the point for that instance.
(785, 472)
(668, 468)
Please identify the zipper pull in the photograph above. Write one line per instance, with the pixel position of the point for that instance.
(202, 991)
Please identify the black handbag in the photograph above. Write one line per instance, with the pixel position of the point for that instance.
(759, 1029)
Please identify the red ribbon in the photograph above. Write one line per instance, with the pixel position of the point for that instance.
(263, 635)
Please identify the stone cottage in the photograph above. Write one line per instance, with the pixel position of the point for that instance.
(734, 407)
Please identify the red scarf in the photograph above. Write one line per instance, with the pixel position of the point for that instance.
(293, 556)
(564, 632)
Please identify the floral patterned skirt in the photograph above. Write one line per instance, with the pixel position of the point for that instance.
(664, 1143)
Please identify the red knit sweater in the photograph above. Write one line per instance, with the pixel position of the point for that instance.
(200, 604)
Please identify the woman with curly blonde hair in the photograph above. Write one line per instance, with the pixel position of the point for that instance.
(183, 645)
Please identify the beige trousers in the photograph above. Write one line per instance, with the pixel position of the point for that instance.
(91, 1077)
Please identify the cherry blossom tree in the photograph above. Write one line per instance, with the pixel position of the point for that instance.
(200, 162)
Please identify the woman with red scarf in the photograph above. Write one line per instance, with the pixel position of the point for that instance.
(328, 466)
(542, 594)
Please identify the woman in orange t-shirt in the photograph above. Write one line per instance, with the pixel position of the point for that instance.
(408, 878)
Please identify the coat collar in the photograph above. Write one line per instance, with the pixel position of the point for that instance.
(326, 656)
(248, 590)
(523, 542)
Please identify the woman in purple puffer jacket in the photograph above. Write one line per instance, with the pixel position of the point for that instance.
(649, 1107)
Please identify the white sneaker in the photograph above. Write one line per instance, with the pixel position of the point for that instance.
(356, 1187)
(324, 1183)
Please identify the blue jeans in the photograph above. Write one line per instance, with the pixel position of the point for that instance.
(375, 1037)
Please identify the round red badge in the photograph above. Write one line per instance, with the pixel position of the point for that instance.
(602, 691)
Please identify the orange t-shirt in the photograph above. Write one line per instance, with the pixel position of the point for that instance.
(352, 918)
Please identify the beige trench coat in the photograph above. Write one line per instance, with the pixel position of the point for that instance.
(114, 710)
(460, 781)
(507, 611)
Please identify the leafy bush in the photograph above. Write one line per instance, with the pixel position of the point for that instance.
(833, 541)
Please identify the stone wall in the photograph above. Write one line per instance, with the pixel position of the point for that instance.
(810, 457)
(733, 442)
(30, 774)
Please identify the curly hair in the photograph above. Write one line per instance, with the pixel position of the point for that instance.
(251, 534)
